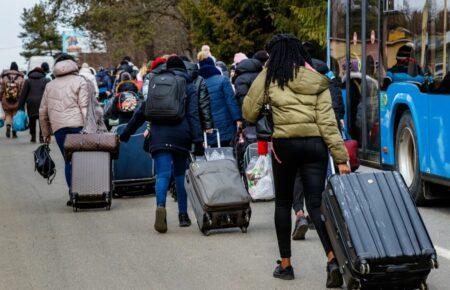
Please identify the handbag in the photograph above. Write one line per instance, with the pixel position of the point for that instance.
(264, 123)
(105, 142)
(44, 164)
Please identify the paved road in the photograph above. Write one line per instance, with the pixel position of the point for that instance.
(44, 245)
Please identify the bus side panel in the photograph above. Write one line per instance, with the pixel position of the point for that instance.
(397, 95)
(439, 106)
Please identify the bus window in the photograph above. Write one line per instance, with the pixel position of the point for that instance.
(438, 49)
(372, 86)
(337, 38)
(404, 51)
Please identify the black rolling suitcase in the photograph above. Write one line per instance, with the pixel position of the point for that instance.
(377, 233)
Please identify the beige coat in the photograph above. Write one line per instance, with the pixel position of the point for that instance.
(65, 100)
(302, 109)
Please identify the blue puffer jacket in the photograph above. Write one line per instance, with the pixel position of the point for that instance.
(178, 137)
(224, 109)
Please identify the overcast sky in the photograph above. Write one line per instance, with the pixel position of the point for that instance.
(10, 44)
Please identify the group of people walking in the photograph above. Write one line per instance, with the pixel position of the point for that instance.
(306, 123)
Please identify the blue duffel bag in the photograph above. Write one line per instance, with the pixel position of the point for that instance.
(20, 122)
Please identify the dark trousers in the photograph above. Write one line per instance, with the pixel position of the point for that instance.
(299, 197)
(33, 120)
(60, 137)
(309, 157)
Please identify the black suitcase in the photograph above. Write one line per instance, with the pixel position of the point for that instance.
(377, 233)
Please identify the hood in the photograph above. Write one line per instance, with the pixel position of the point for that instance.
(309, 82)
(85, 71)
(182, 73)
(12, 72)
(249, 66)
(65, 67)
(36, 74)
(192, 69)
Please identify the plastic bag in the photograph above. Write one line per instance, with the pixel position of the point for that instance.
(2, 113)
(259, 178)
(20, 121)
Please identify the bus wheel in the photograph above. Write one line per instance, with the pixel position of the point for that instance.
(407, 157)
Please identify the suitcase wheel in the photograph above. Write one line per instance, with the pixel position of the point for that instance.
(205, 232)
(423, 286)
(434, 264)
(244, 230)
(208, 219)
(364, 268)
(353, 284)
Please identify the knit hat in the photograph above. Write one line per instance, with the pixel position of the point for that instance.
(262, 56)
(14, 66)
(157, 62)
(175, 62)
(84, 65)
(238, 57)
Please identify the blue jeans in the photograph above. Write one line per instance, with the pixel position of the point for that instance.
(166, 163)
(60, 137)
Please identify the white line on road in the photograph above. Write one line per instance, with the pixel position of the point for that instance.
(443, 252)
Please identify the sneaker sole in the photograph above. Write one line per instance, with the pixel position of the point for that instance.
(336, 279)
(284, 277)
(160, 220)
(300, 233)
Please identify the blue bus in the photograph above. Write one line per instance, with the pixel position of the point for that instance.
(393, 60)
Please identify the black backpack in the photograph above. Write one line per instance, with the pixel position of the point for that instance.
(166, 101)
(44, 164)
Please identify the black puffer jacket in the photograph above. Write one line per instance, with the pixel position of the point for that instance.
(203, 96)
(335, 90)
(32, 92)
(246, 72)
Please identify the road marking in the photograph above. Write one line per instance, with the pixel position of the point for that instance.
(443, 252)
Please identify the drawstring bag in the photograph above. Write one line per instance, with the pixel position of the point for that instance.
(44, 164)
(20, 121)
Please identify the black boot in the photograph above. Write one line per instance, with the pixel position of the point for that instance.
(14, 134)
(33, 138)
(184, 219)
(8, 131)
(334, 276)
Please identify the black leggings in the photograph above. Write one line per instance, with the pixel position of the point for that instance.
(33, 122)
(309, 156)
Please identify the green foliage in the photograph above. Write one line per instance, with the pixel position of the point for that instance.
(39, 35)
(230, 26)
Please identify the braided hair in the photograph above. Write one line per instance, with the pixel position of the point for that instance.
(287, 55)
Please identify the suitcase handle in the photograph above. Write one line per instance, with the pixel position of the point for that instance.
(205, 138)
(397, 269)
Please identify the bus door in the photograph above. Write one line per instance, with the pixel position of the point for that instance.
(363, 51)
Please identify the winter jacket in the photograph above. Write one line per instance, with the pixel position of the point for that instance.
(104, 82)
(302, 109)
(32, 92)
(65, 100)
(203, 96)
(224, 109)
(246, 72)
(335, 90)
(177, 137)
(86, 72)
(17, 78)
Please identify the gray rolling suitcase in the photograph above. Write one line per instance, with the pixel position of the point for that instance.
(216, 191)
(217, 195)
(377, 233)
(91, 180)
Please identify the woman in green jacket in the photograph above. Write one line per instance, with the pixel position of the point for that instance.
(304, 130)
